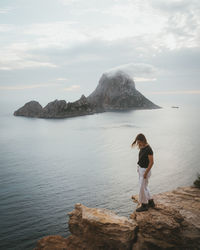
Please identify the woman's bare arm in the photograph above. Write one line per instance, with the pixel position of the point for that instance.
(149, 166)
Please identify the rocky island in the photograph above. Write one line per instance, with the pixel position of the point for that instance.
(114, 92)
(173, 224)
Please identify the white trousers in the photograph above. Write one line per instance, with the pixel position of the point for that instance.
(144, 194)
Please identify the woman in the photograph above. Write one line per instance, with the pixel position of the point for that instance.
(145, 163)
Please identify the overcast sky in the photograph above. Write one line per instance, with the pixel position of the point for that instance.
(58, 49)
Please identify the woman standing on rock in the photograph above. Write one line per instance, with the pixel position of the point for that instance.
(145, 163)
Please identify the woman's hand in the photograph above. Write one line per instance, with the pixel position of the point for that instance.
(145, 174)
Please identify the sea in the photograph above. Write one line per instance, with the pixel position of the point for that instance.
(49, 165)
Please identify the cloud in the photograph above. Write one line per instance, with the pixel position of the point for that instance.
(16, 56)
(150, 26)
(6, 27)
(182, 23)
(142, 79)
(40, 36)
(137, 18)
(172, 6)
(72, 88)
(62, 79)
(61, 34)
(33, 86)
(16, 62)
(177, 92)
(180, 61)
(153, 40)
(171, 24)
(141, 72)
(68, 2)
(5, 10)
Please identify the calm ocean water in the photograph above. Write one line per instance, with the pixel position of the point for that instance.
(49, 165)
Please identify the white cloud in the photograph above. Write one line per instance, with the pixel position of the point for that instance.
(182, 25)
(68, 2)
(6, 27)
(142, 79)
(141, 72)
(20, 87)
(72, 88)
(16, 56)
(17, 62)
(5, 10)
(62, 34)
(19, 55)
(147, 27)
(172, 24)
(176, 92)
(173, 5)
(138, 17)
(62, 79)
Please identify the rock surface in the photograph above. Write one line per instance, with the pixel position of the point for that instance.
(32, 109)
(173, 224)
(115, 91)
(56, 109)
(102, 228)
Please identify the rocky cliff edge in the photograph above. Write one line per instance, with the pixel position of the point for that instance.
(173, 224)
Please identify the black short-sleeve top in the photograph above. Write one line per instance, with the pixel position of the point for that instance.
(143, 160)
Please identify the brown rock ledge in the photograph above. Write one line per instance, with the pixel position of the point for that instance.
(173, 224)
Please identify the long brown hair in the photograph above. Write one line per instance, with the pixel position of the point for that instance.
(139, 137)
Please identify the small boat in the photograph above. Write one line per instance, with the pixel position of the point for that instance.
(175, 107)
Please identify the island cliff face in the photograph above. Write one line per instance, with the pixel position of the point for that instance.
(173, 224)
(115, 91)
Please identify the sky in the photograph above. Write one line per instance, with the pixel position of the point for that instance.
(58, 49)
